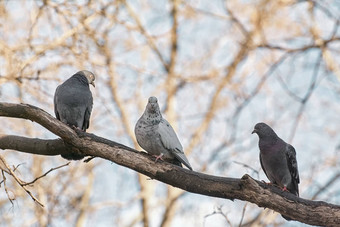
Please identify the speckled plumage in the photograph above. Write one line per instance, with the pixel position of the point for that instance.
(156, 136)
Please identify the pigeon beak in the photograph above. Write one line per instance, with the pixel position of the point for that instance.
(254, 131)
(93, 84)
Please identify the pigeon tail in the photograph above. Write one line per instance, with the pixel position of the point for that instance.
(72, 153)
(73, 156)
(294, 190)
(181, 157)
(176, 162)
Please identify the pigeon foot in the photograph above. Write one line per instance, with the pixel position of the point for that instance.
(159, 157)
(284, 189)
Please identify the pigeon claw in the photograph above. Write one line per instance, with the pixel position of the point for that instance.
(75, 128)
(284, 189)
(159, 157)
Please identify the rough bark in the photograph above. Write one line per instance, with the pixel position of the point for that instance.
(246, 188)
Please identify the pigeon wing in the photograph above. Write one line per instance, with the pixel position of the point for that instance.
(88, 111)
(171, 142)
(292, 166)
(56, 104)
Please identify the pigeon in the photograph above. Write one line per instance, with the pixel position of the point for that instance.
(156, 136)
(278, 159)
(73, 103)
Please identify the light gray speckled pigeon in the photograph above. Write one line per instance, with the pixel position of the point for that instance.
(156, 136)
(73, 103)
(278, 159)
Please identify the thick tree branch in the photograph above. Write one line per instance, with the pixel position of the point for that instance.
(33, 145)
(246, 188)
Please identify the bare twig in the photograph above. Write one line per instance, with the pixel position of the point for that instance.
(220, 212)
(248, 167)
(5, 187)
(20, 182)
(149, 39)
(52, 169)
(306, 97)
(327, 185)
(243, 213)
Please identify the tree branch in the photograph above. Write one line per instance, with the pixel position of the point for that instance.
(246, 188)
(33, 145)
(45, 174)
(22, 184)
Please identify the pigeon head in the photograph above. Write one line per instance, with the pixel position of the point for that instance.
(263, 130)
(89, 76)
(153, 106)
(152, 112)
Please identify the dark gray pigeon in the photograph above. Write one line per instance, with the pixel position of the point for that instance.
(156, 136)
(73, 103)
(278, 159)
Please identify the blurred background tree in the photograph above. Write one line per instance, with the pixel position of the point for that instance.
(217, 68)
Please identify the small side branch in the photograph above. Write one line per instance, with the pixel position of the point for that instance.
(21, 183)
(52, 169)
